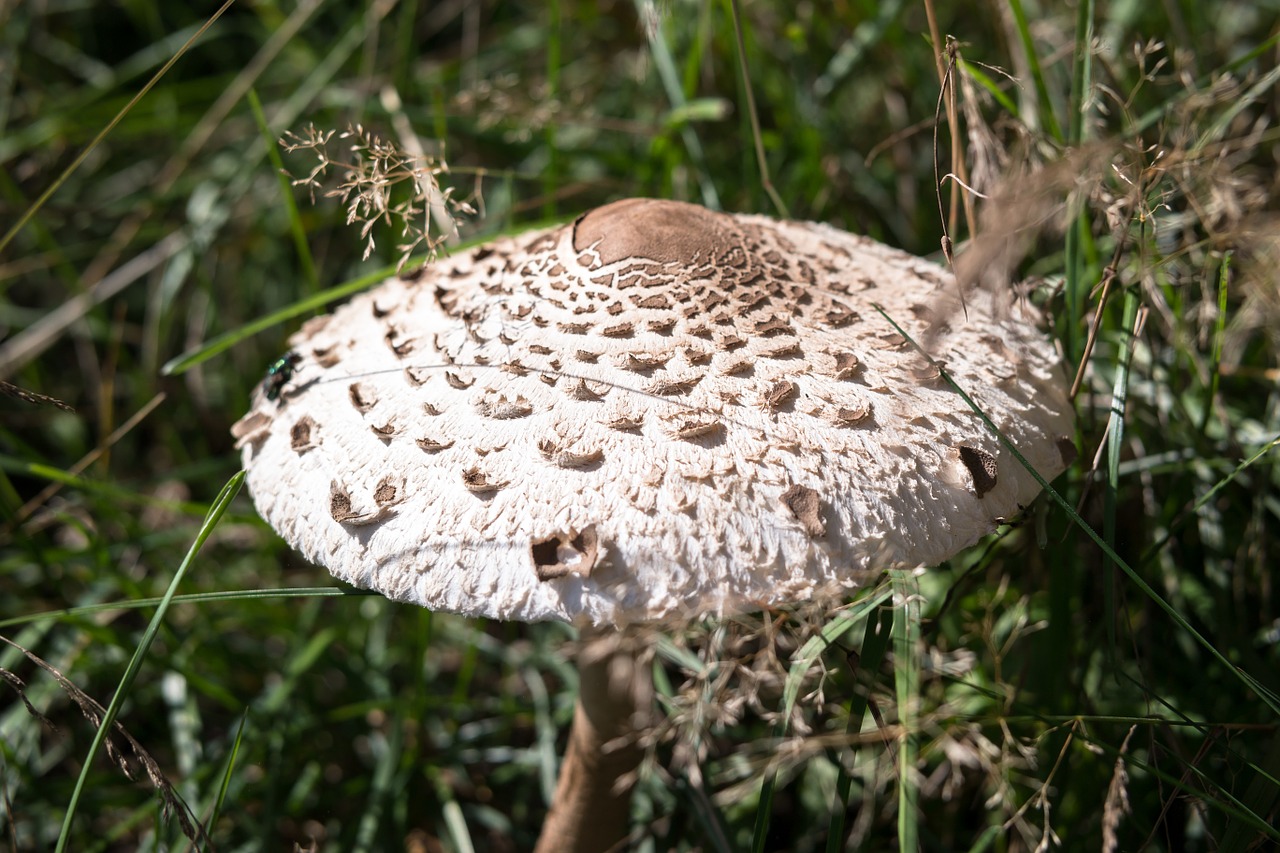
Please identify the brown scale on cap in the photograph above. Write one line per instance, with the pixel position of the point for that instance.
(304, 434)
(458, 380)
(805, 504)
(569, 553)
(362, 398)
(434, 445)
(555, 451)
(846, 366)
(852, 415)
(389, 492)
(386, 430)
(982, 468)
(479, 482)
(716, 399)
(782, 393)
(499, 408)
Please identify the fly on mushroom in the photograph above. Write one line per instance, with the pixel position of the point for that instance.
(279, 374)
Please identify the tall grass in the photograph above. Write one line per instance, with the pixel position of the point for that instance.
(1101, 674)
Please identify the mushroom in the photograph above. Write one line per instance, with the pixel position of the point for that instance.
(655, 412)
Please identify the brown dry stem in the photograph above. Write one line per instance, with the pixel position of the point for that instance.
(591, 809)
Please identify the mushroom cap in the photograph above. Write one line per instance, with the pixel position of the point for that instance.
(654, 412)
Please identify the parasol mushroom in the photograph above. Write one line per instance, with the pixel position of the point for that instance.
(652, 413)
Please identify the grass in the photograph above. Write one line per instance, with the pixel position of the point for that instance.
(1101, 674)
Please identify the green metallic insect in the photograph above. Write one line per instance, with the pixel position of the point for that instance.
(279, 374)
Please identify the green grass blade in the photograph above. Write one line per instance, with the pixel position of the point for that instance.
(1260, 798)
(906, 680)
(990, 86)
(1044, 111)
(189, 598)
(808, 655)
(551, 174)
(106, 131)
(456, 823)
(544, 725)
(1158, 114)
(227, 340)
(109, 490)
(840, 624)
(986, 839)
(1074, 287)
(1248, 462)
(1219, 335)
(1115, 444)
(665, 65)
(1261, 90)
(216, 511)
(875, 642)
(296, 228)
(386, 750)
(707, 816)
(749, 97)
(1078, 232)
(224, 785)
(1081, 73)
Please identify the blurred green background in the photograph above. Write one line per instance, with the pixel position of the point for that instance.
(1126, 152)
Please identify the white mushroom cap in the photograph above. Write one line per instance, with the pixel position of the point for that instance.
(656, 411)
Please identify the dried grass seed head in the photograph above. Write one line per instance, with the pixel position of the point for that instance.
(656, 411)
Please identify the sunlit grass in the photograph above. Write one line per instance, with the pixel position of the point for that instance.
(1099, 674)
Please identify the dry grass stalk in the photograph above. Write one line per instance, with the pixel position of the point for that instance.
(124, 759)
(368, 179)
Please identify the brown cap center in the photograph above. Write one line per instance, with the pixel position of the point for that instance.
(662, 231)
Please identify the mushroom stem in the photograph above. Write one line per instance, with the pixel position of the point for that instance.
(591, 809)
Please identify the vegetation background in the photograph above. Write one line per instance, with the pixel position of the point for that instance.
(1126, 155)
